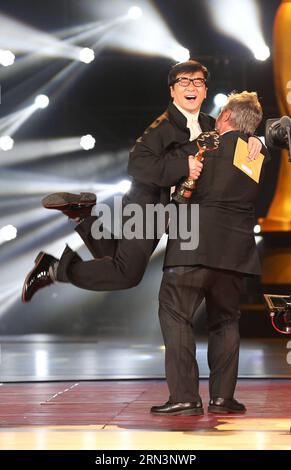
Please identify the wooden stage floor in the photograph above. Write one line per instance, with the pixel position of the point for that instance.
(114, 415)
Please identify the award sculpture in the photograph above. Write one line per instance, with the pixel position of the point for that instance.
(206, 141)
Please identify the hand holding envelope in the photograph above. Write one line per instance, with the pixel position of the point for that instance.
(250, 168)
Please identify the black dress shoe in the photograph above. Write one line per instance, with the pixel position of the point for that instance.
(221, 405)
(188, 408)
(72, 205)
(38, 277)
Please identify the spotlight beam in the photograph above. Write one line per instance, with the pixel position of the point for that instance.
(76, 34)
(62, 80)
(67, 33)
(161, 42)
(10, 298)
(14, 183)
(96, 30)
(240, 19)
(23, 117)
(37, 149)
(20, 37)
(21, 203)
(57, 83)
(32, 216)
(11, 123)
(10, 119)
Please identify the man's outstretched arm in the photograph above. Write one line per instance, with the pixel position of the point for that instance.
(151, 162)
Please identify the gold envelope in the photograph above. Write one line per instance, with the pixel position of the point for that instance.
(251, 169)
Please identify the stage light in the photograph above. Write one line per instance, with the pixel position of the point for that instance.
(234, 18)
(262, 52)
(41, 101)
(124, 186)
(6, 58)
(6, 143)
(257, 229)
(220, 100)
(134, 13)
(181, 54)
(151, 36)
(87, 55)
(87, 142)
(7, 233)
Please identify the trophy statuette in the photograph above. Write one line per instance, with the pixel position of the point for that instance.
(206, 141)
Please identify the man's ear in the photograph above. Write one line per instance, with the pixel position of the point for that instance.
(226, 115)
(205, 95)
(171, 91)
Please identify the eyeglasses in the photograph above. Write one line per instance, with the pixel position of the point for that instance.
(184, 81)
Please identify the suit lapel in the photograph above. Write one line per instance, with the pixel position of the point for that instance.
(206, 122)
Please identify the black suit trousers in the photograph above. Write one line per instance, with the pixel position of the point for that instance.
(182, 291)
(117, 264)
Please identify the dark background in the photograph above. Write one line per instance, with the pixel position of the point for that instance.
(119, 93)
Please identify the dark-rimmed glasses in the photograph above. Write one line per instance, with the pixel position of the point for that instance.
(184, 81)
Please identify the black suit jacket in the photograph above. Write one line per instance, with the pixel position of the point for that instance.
(226, 199)
(159, 158)
(158, 161)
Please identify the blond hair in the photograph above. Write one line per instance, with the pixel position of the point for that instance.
(246, 111)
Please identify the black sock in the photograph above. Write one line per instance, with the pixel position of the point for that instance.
(53, 271)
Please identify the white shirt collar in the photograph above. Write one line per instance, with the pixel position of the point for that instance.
(189, 116)
(192, 122)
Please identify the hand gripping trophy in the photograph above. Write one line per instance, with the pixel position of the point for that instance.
(206, 141)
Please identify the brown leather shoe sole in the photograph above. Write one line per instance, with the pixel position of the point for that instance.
(63, 200)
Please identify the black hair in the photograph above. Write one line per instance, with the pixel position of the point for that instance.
(189, 66)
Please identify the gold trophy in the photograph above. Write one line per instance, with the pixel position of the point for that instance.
(206, 141)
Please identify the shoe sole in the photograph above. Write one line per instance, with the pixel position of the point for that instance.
(221, 410)
(181, 413)
(36, 263)
(63, 200)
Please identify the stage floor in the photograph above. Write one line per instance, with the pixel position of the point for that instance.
(105, 415)
(45, 358)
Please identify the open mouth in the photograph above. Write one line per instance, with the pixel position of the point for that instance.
(190, 97)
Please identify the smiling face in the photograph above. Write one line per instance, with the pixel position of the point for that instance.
(190, 97)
